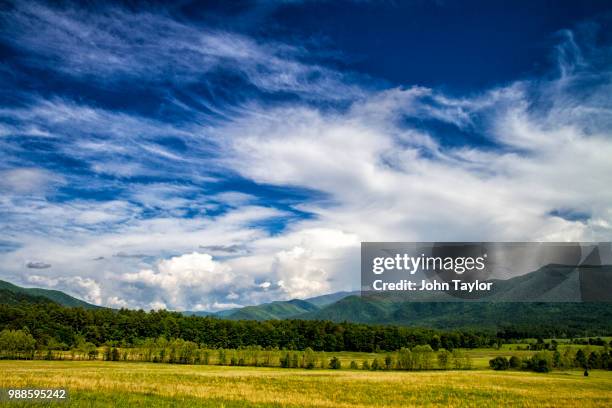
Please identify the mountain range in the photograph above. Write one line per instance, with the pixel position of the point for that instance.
(555, 295)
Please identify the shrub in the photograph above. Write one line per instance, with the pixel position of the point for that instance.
(375, 365)
(515, 362)
(388, 363)
(541, 366)
(541, 362)
(335, 363)
(499, 363)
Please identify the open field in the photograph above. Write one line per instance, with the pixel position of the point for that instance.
(127, 384)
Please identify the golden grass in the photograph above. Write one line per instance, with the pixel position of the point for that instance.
(126, 384)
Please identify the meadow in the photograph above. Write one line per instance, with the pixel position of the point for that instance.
(123, 384)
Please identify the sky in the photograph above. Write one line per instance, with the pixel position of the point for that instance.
(204, 156)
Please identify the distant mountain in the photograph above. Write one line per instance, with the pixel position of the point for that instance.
(9, 297)
(553, 294)
(288, 309)
(12, 294)
(273, 311)
(197, 313)
(328, 299)
(476, 315)
(549, 296)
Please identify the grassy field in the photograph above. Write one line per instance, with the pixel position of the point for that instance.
(145, 384)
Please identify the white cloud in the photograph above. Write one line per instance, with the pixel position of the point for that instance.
(382, 187)
(157, 305)
(221, 306)
(116, 302)
(30, 181)
(83, 288)
(375, 176)
(115, 45)
(298, 275)
(181, 277)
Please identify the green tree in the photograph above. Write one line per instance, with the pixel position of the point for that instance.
(388, 363)
(310, 359)
(335, 363)
(515, 362)
(405, 360)
(581, 359)
(375, 365)
(443, 359)
(17, 343)
(499, 363)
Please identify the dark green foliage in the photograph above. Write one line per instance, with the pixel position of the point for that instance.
(541, 366)
(285, 361)
(54, 324)
(294, 360)
(515, 362)
(388, 363)
(541, 362)
(335, 363)
(581, 359)
(594, 361)
(353, 365)
(375, 365)
(9, 297)
(521, 320)
(499, 363)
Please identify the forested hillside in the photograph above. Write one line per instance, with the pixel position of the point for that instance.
(10, 294)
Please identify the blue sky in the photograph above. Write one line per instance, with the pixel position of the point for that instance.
(210, 155)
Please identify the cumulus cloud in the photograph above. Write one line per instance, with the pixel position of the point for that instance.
(179, 279)
(208, 192)
(298, 275)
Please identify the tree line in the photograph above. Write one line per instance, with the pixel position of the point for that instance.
(19, 344)
(57, 327)
(546, 360)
